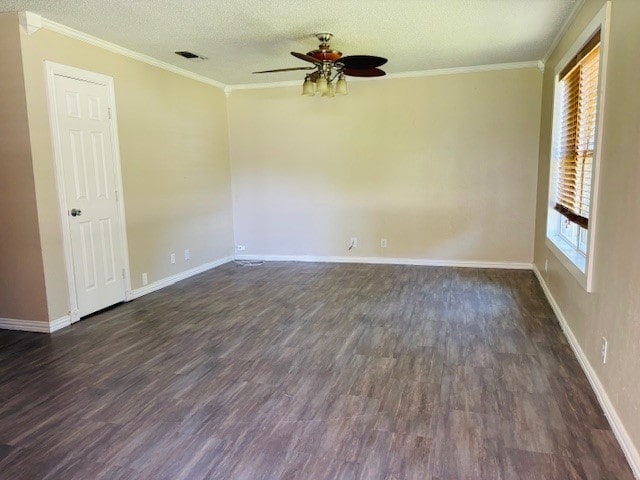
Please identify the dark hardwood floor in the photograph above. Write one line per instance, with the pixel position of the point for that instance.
(308, 371)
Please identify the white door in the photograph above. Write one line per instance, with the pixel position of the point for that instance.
(89, 182)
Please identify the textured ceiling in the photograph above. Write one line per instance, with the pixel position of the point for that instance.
(241, 36)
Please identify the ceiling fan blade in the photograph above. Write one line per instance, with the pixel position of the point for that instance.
(362, 62)
(306, 58)
(286, 69)
(363, 72)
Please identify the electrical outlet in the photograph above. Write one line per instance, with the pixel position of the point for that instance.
(383, 242)
(241, 248)
(145, 279)
(546, 265)
(172, 258)
(187, 254)
(603, 350)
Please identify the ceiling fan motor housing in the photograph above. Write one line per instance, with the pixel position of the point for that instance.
(324, 53)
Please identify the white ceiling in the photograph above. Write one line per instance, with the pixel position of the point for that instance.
(240, 36)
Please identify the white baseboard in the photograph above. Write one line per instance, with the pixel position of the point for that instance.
(165, 282)
(35, 325)
(60, 323)
(629, 449)
(388, 261)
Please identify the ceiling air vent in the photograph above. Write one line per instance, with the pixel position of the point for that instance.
(191, 56)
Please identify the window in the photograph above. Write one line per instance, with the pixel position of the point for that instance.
(570, 221)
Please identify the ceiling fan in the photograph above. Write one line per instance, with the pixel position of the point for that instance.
(329, 64)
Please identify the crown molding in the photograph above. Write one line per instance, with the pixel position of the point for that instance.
(562, 31)
(391, 76)
(459, 70)
(31, 22)
(112, 47)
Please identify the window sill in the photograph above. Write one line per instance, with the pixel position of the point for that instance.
(572, 260)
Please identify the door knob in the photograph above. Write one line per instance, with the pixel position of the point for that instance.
(76, 212)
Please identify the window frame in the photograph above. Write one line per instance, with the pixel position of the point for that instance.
(578, 262)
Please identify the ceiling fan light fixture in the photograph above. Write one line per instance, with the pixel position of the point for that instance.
(341, 85)
(322, 86)
(331, 91)
(308, 87)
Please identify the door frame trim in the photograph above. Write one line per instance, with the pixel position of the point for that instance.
(52, 70)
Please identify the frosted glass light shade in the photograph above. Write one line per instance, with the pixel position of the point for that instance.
(341, 86)
(331, 91)
(308, 88)
(321, 85)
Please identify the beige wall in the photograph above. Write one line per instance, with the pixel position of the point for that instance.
(443, 167)
(612, 310)
(174, 154)
(22, 290)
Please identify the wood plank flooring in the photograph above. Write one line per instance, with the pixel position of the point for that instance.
(308, 371)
